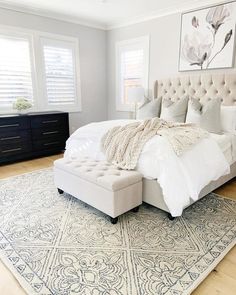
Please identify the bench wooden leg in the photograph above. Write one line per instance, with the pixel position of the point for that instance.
(114, 220)
(170, 216)
(60, 191)
(135, 210)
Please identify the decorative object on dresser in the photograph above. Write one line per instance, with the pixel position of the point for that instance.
(32, 135)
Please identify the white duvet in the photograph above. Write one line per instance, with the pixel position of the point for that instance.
(181, 178)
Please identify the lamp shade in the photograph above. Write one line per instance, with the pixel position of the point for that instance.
(135, 94)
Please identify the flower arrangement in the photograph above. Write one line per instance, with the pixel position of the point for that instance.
(22, 104)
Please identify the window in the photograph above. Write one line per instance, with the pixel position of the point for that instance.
(132, 68)
(42, 67)
(15, 70)
(60, 72)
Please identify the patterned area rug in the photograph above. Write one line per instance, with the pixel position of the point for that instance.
(55, 244)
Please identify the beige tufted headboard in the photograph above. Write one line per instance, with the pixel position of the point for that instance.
(204, 87)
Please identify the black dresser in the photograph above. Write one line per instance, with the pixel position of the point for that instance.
(32, 135)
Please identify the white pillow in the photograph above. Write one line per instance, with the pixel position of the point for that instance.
(149, 109)
(228, 118)
(174, 111)
(206, 115)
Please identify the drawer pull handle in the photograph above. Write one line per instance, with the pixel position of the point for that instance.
(50, 132)
(51, 143)
(10, 125)
(10, 138)
(50, 121)
(12, 150)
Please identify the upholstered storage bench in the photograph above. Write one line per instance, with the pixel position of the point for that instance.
(99, 184)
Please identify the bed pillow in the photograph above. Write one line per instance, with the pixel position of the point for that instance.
(149, 109)
(228, 118)
(174, 111)
(206, 116)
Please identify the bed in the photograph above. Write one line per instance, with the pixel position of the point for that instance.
(207, 87)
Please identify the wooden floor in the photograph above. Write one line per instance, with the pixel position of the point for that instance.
(221, 281)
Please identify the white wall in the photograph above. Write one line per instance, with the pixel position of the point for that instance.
(92, 60)
(164, 35)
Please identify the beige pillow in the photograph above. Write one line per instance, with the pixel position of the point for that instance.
(206, 116)
(174, 111)
(149, 109)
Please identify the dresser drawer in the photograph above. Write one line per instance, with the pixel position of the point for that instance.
(49, 121)
(9, 150)
(14, 123)
(50, 132)
(12, 137)
(56, 143)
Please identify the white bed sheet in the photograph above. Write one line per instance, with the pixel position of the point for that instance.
(181, 178)
(227, 144)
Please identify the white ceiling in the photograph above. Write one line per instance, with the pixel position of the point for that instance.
(105, 14)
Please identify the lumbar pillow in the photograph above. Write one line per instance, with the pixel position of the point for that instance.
(149, 109)
(228, 118)
(206, 116)
(174, 111)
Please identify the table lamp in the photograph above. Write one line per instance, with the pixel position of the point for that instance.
(135, 95)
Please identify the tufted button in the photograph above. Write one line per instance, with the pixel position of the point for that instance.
(209, 99)
(229, 91)
(221, 100)
(88, 170)
(100, 174)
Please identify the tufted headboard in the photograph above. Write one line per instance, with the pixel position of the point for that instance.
(204, 87)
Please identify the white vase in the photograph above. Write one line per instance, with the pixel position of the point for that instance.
(22, 112)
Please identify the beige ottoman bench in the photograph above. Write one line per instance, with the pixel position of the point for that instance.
(99, 184)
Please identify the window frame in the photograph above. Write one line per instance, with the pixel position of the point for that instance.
(37, 68)
(6, 32)
(121, 46)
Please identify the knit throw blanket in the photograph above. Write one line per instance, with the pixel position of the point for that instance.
(122, 145)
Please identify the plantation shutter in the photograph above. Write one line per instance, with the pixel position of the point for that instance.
(132, 70)
(15, 70)
(60, 74)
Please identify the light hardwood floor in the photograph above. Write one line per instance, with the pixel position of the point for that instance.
(221, 281)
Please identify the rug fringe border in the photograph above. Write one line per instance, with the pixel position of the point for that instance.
(21, 281)
(208, 271)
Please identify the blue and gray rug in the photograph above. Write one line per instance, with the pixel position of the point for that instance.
(55, 244)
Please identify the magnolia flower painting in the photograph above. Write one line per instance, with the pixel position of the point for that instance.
(207, 38)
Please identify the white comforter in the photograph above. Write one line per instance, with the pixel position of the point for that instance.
(181, 178)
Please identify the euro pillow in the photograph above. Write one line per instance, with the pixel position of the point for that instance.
(149, 109)
(174, 111)
(207, 115)
(228, 118)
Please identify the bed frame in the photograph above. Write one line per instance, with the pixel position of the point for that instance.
(203, 87)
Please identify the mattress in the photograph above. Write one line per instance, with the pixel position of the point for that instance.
(227, 144)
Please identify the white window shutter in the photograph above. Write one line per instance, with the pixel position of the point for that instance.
(60, 74)
(15, 71)
(132, 63)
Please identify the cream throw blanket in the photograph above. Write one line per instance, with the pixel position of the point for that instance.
(123, 144)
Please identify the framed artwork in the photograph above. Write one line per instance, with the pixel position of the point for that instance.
(207, 38)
